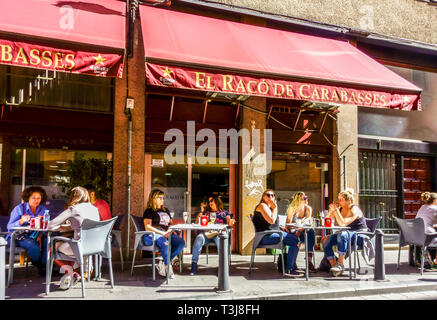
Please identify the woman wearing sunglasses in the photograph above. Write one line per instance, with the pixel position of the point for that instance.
(222, 216)
(264, 218)
(157, 218)
(300, 210)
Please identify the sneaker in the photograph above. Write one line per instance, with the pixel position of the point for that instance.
(311, 268)
(294, 273)
(170, 270)
(296, 268)
(76, 279)
(65, 282)
(337, 269)
(193, 268)
(161, 268)
(175, 262)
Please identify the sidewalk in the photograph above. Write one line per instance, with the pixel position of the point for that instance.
(265, 282)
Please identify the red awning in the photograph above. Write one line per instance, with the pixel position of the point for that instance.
(81, 22)
(194, 48)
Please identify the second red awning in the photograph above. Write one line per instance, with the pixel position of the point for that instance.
(212, 50)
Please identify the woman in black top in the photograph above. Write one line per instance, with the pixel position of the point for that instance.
(346, 215)
(264, 218)
(157, 219)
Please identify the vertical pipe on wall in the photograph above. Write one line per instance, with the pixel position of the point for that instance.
(129, 177)
(23, 172)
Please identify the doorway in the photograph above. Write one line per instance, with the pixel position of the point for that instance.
(186, 185)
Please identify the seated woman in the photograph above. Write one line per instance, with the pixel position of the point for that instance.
(157, 219)
(428, 211)
(346, 214)
(299, 209)
(264, 218)
(79, 208)
(32, 206)
(222, 217)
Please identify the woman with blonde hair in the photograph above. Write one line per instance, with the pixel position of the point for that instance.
(428, 212)
(346, 214)
(264, 218)
(79, 208)
(157, 218)
(299, 209)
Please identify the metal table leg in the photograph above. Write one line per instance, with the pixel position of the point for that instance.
(306, 255)
(48, 271)
(11, 259)
(350, 253)
(168, 257)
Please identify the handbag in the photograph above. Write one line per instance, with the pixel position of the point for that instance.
(211, 234)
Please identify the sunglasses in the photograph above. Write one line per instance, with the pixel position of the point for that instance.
(270, 195)
(211, 201)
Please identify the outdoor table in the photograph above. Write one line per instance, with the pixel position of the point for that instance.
(223, 257)
(307, 227)
(11, 256)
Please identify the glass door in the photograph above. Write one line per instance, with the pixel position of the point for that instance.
(187, 185)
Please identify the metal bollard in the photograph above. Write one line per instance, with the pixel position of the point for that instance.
(3, 244)
(379, 256)
(223, 276)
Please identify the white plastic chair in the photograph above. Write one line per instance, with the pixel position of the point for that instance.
(94, 240)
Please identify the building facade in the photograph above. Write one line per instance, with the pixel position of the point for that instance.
(320, 143)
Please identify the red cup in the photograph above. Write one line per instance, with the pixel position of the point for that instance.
(328, 222)
(32, 223)
(203, 220)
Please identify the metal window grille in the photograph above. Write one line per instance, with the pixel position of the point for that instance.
(378, 187)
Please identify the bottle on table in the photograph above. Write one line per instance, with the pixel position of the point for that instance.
(46, 219)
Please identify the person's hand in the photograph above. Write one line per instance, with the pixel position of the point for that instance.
(24, 219)
(332, 206)
(167, 233)
(231, 222)
(203, 206)
(324, 239)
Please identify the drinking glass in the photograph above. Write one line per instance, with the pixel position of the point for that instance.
(212, 217)
(185, 216)
(172, 214)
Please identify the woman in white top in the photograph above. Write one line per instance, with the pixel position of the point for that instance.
(300, 210)
(79, 208)
(428, 212)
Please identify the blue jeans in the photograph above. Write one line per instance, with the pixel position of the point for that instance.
(34, 250)
(341, 241)
(199, 242)
(311, 237)
(177, 245)
(289, 239)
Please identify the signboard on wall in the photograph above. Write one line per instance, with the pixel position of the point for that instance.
(174, 200)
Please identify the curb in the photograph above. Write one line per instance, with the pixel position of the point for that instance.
(345, 293)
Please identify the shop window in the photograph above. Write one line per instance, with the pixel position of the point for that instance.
(33, 87)
(46, 168)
